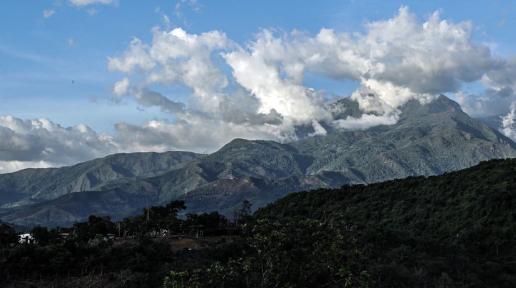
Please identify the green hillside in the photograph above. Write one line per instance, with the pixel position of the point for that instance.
(37, 185)
(454, 230)
(427, 140)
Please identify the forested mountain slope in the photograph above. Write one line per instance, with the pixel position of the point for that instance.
(453, 230)
(427, 140)
(36, 185)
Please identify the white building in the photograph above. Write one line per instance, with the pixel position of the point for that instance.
(26, 238)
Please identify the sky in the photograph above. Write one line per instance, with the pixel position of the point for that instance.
(81, 79)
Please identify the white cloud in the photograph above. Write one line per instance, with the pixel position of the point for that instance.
(263, 80)
(49, 144)
(257, 90)
(263, 103)
(499, 92)
(42, 143)
(395, 60)
(260, 86)
(366, 121)
(318, 129)
(121, 87)
(192, 133)
(509, 123)
(12, 166)
(135, 57)
(149, 98)
(181, 4)
(82, 3)
(47, 13)
(146, 98)
(177, 57)
(490, 102)
(435, 56)
(385, 97)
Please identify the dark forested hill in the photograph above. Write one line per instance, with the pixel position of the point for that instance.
(469, 206)
(453, 230)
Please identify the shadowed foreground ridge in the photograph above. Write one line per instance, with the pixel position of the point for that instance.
(453, 230)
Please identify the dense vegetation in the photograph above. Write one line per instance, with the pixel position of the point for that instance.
(453, 230)
(136, 252)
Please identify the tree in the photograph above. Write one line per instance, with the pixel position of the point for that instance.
(100, 225)
(243, 213)
(85, 231)
(7, 235)
(177, 280)
(43, 236)
(162, 217)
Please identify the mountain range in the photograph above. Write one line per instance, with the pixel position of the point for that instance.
(428, 139)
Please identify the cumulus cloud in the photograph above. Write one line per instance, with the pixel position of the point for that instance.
(435, 56)
(150, 98)
(258, 73)
(177, 57)
(44, 143)
(260, 102)
(396, 60)
(501, 85)
(490, 102)
(509, 123)
(147, 98)
(121, 87)
(257, 89)
(262, 82)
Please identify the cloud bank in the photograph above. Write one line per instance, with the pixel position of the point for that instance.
(260, 86)
(257, 90)
(42, 143)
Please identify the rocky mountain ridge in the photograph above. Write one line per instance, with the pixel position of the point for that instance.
(427, 140)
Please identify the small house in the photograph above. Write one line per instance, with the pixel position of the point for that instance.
(26, 238)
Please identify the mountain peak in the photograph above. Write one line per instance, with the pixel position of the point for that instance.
(444, 101)
(347, 107)
(441, 104)
(428, 139)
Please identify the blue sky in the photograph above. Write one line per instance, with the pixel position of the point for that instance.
(81, 79)
(56, 67)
